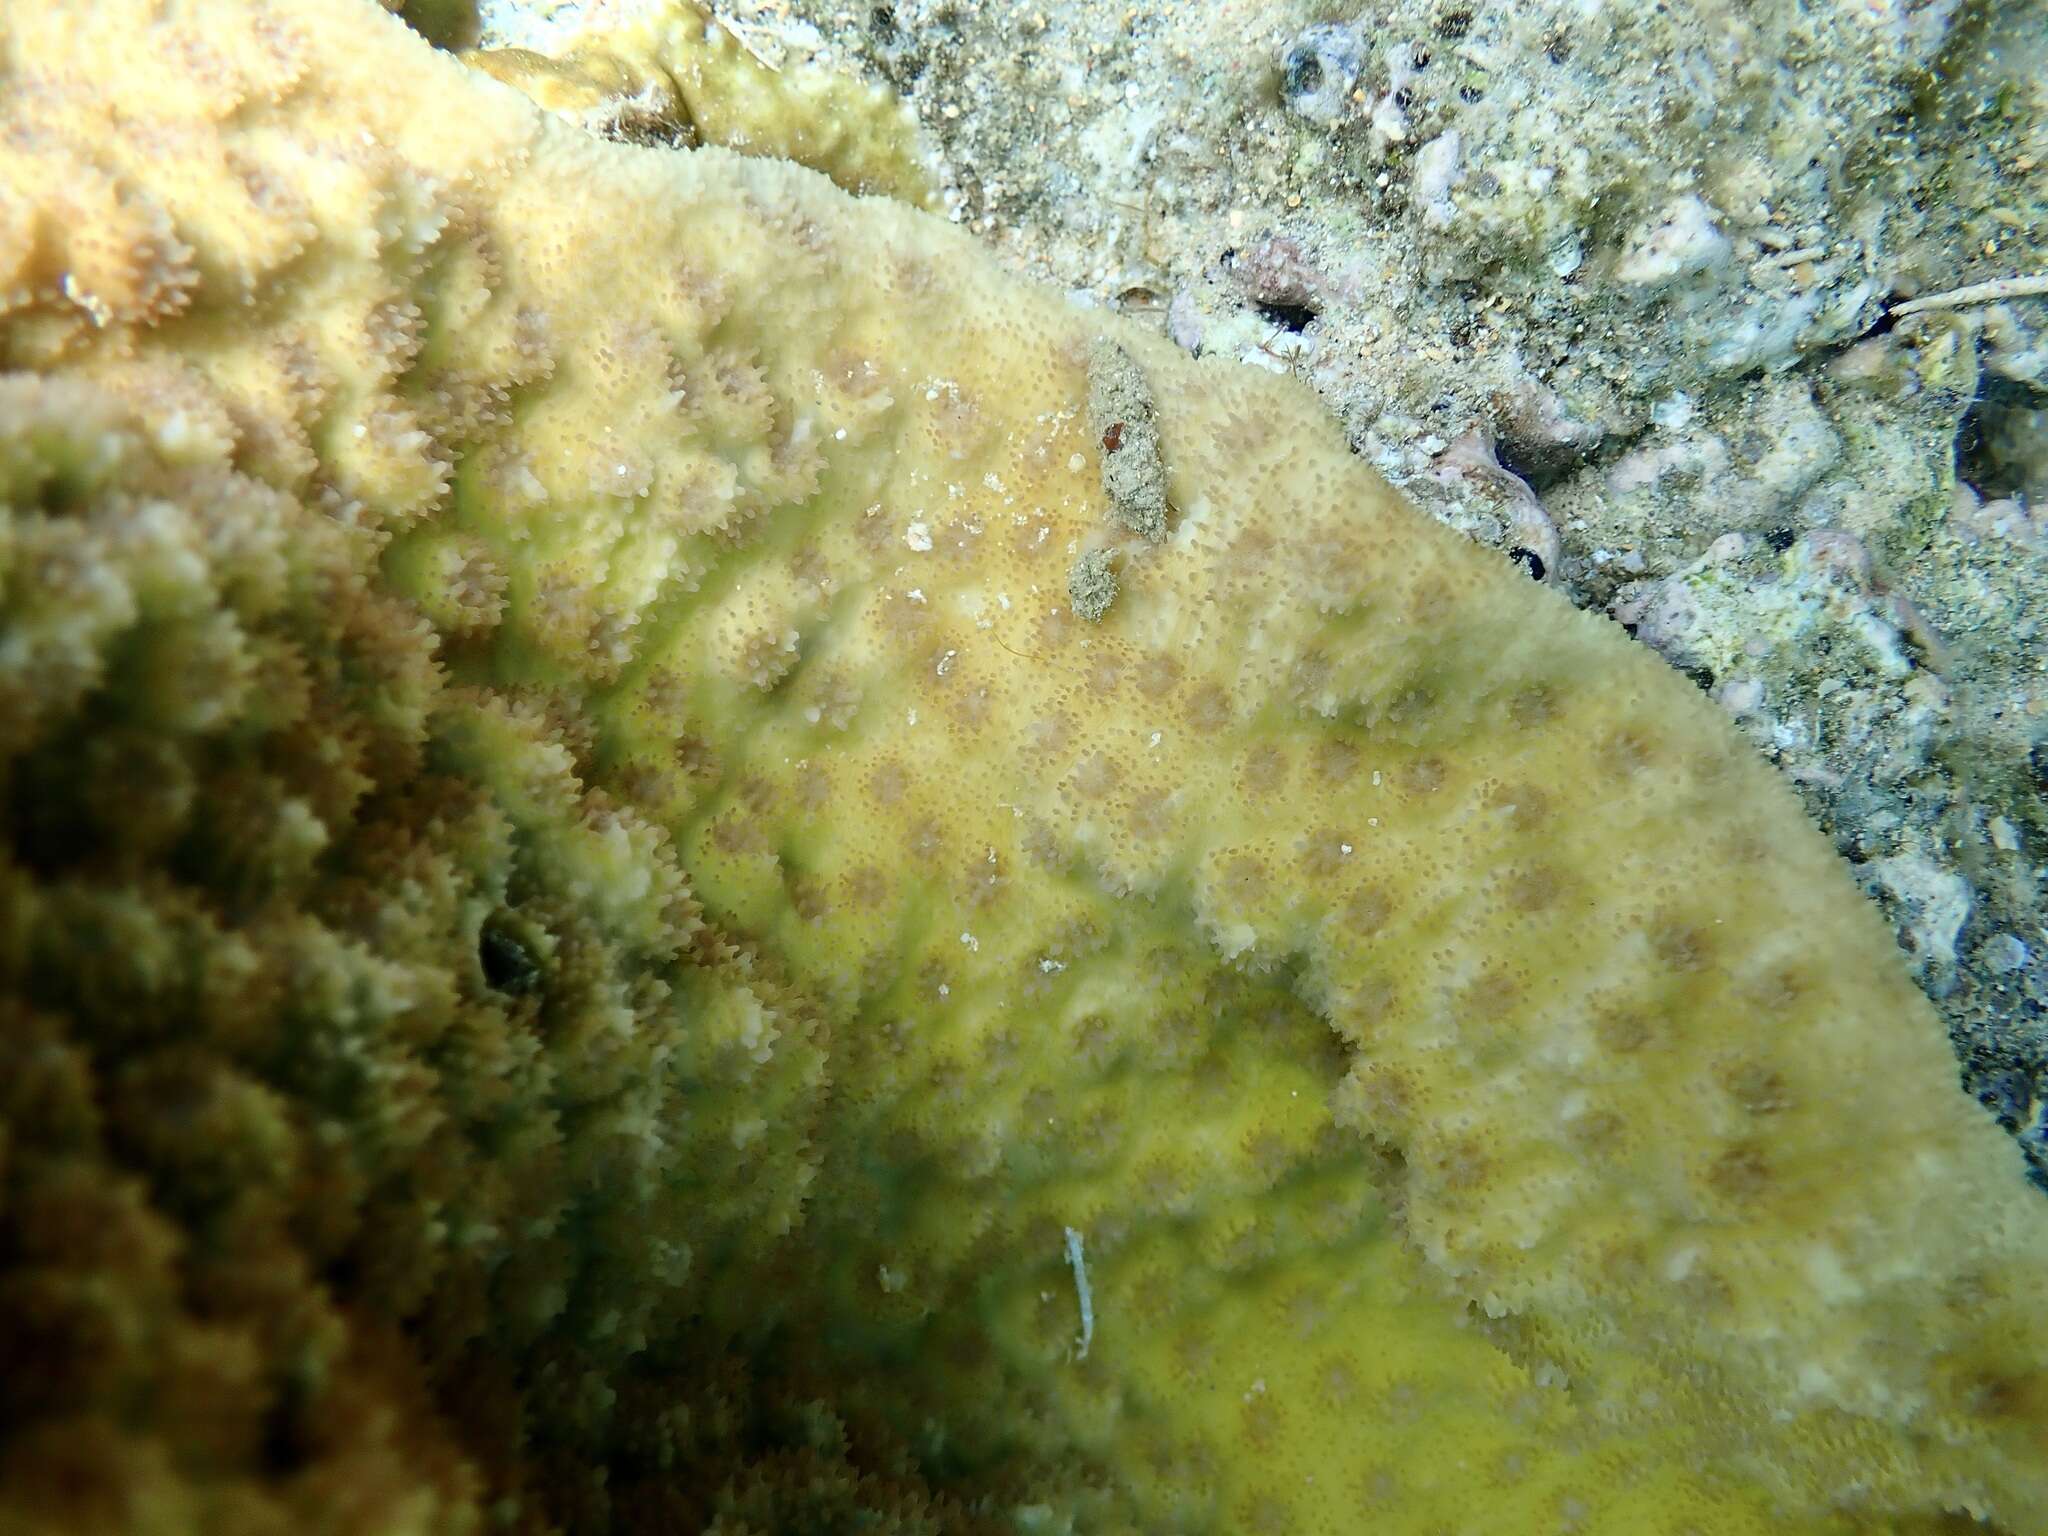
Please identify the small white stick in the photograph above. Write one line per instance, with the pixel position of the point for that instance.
(2035, 286)
(1081, 1288)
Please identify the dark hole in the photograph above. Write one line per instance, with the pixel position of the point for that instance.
(1419, 59)
(506, 964)
(883, 19)
(1292, 317)
(1304, 71)
(1539, 466)
(1529, 560)
(1404, 98)
(1454, 24)
(1702, 677)
(1469, 92)
(1995, 437)
(1779, 540)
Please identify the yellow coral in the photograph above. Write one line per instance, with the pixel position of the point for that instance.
(568, 860)
(670, 70)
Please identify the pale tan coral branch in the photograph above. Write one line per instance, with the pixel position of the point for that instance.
(2035, 286)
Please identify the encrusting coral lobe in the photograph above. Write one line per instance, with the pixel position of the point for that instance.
(580, 920)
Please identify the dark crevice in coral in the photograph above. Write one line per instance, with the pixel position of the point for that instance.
(1290, 317)
(1996, 420)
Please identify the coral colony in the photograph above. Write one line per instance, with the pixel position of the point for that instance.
(586, 934)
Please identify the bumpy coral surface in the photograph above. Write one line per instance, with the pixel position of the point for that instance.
(587, 943)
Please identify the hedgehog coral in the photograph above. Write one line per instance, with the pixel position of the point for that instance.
(588, 942)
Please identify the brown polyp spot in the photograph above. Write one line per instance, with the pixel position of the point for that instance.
(1373, 1098)
(808, 899)
(1157, 674)
(1741, 1173)
(1201, 1462)
(866, 887)
(948, 1079)
(1249, 554)
(903, 618)
(2014, 1395)
(1337, 761)
(1755, 1087)
(1323, 853)
(697, 756)
(1268, 1153)
(1162, 1182)
(734, 833)
(1379, 1489)
(1535, 889)
(1244, 877)
(642, 784)
(1338, 1381)
(1194, 1356)
(1625, 753)
(1532, 705)
(1103, 674)
(759, 793)
(1598, 1130)
(1055, 627)
(1048, 735)
(1431, 603)
(1489, 996)
(1305, 1311)
(1424, 776)
(1404, 1401)
(1621, 1028)
(1310, 676)
(1328, 549)
(1523, 807)
(1264, 770)
(1263, 1514)
(982, 882)
(970, 706)
(1150, 816)
(1777, 989)
(887, 782)
(910, 275)
(1463, 1163)
(1681, 946)
(1095, 776)
(924, 840)
(874, 532)
(1095, 1041)
(1411, 706)
(1371, 1000)
(1367, 911)
(1207, 709)
(1042, 848)
(1031, 540)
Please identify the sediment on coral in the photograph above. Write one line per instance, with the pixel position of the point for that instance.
(588, 942)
